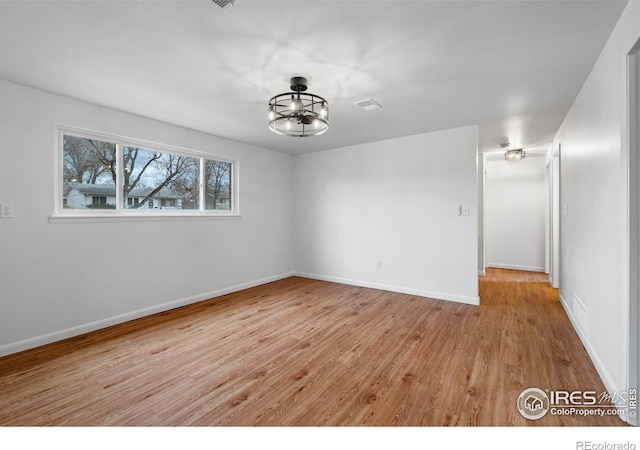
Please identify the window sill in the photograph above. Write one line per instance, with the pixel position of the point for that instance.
(136, 217)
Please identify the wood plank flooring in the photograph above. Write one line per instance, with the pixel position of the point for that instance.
(302, 352)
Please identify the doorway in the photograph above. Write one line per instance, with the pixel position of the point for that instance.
(515, 211)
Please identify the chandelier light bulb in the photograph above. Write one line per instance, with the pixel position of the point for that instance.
(297, 105)
(323, 110)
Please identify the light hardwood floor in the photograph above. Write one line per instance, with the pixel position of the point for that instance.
(307, 352)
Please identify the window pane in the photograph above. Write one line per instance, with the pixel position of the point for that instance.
(89, 173)
(155, 180)
(218, 187)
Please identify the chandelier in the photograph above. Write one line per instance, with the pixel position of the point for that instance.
(298, 113)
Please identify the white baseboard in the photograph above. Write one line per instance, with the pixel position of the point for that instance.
(385, 287)
(37, 341)
(609, 384)
(515, 267)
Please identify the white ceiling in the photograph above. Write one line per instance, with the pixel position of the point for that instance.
(512, 67)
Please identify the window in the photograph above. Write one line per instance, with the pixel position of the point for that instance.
(88, 172)
(99, 201)
(110, 175)
(171, 178)
(218, 187)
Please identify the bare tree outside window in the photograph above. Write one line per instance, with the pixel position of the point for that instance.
(88, 162)
(149, 173)
(218, 186)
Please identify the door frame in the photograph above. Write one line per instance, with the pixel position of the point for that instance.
(633, 185)
(554, 217)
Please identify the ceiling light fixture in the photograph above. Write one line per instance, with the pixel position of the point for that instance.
(298, 113)
(514, 155)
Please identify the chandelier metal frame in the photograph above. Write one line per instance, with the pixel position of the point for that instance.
(298, 113)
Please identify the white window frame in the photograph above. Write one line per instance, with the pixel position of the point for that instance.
(121, 213)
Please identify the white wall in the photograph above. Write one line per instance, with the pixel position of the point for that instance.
(593, 233)
(394, 202)
(515, 212)
(61, 279)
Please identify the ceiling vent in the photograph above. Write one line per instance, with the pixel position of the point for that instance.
(224, 3)
(368, 104)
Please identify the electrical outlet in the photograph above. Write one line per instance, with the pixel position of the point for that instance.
(379, 265)
(6, 211)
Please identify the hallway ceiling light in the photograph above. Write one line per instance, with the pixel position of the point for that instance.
(298, 113)
(514, 155)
